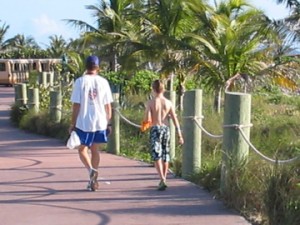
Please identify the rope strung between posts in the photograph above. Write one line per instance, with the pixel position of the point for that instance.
(67, 85)
(280, 162)
(239, 128)
(22, 99)
(59, 107)
(196, 119)
(59, 85)
(235, 126)
(126, 120)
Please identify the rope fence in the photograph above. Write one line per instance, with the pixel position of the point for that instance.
(196, 120)
(127, 120)
(240, 129)
(280, 162)
(234, 126)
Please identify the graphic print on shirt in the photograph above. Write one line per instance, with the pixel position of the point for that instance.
(92, 94)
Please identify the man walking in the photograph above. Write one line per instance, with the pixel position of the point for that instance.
(91, 113)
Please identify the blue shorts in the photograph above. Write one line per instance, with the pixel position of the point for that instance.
(89, 138)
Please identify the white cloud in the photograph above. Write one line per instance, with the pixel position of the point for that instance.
(44, 27)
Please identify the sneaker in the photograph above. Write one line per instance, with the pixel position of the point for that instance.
(162, 186)
(93, 180)
(88, 187)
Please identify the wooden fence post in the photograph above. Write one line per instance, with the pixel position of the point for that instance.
(17, 94)
(21, 94)
(50, 78)
(50, 81)
(55, 106)
(33, 99)
(43, 79)
(113, 145)
(191, 155)
(237, 112)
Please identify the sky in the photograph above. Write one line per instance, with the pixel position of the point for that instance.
(41, 19)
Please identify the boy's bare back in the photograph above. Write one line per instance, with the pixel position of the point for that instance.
(158, 110)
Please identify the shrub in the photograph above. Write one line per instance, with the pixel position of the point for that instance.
(17, 112)
(282, 197)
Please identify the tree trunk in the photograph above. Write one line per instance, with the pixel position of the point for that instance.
(114, 63)
(170, 84)
(217, 100)
(181, 90)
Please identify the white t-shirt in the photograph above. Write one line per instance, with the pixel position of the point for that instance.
(92, 92)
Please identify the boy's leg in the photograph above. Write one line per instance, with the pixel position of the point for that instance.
(156, 153)
(166, 151)
(159, 167)
(165, 169)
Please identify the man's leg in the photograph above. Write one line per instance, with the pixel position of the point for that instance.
(84, 156)
(95, 160)
(95, 155)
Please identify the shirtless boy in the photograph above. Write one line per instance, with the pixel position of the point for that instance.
(157, 113)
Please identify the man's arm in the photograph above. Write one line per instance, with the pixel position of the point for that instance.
(75, 112)
(108, 112)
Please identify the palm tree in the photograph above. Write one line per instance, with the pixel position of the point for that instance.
(3, 30)
(58, 46)
(289, 26)
(159, 42)
(289, 3)
(111, 22)
(231, 39)
(24, 47)
(21, 42)
(288, 30)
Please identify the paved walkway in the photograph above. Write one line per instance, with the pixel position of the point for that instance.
(43, 183)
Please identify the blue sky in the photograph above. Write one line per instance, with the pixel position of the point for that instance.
(43, 18)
